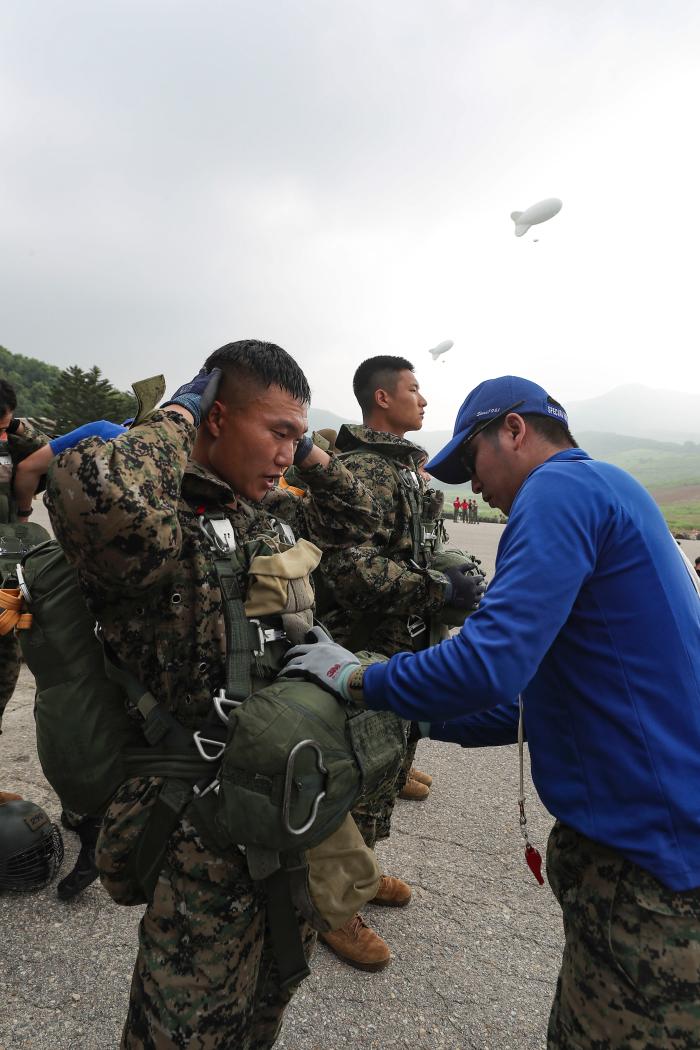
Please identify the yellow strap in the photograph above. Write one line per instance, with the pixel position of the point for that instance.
(11, 615)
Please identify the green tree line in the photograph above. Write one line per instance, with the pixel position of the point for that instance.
(68, 397)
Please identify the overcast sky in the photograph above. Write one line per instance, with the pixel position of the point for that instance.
(338, 177)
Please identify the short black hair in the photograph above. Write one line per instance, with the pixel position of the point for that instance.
(697, 559)
(377, 373)
(8, 397)
(252, 362)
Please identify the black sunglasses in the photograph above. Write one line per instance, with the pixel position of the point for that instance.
(466, 454)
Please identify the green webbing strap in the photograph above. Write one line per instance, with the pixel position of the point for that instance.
(158, 724)
(283, 925)
(147, 859)
(411, 492)
(239, 683)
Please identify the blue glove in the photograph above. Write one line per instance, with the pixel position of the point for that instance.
(198, 395)
(322, 661)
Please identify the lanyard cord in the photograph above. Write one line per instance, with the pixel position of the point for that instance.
(521, 784)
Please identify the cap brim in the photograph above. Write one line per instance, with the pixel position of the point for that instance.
(447, 465)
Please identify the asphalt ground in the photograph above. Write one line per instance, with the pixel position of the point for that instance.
(475, 954)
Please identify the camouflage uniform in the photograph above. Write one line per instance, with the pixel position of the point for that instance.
(373, 588)
(126, 513)
(630, 974)
(11, 452)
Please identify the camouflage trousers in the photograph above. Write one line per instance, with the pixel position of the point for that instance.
(205, 977)
(10, 662)
(630, 973)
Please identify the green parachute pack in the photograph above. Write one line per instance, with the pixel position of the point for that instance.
(275, 771)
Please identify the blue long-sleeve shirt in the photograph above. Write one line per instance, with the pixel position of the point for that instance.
(593, 617)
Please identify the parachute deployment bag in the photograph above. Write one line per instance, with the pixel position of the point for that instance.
(82, 725)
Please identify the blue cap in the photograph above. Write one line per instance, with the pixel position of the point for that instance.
(486, 402)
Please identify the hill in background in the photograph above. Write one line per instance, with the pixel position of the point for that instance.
(670, 470)
(653, 434)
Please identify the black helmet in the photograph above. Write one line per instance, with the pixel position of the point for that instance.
(31, 847)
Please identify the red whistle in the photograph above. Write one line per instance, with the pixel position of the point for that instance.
(534, 862)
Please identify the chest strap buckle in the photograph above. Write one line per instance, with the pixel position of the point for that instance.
(415, 626)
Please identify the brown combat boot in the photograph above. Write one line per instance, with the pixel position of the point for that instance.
(392, 892)
(422, 778)
(414, 791)
(355, 943)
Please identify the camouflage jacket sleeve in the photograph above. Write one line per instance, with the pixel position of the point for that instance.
(113, 504)
(377, 574)
(22, 445)
(337, 511)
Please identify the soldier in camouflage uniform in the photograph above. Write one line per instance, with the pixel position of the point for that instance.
(18, 438)
(127, 513)
(377, 596)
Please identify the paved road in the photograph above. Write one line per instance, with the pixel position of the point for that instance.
(475, 955)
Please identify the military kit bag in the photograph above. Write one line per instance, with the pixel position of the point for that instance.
(290, 759)
(16, 540)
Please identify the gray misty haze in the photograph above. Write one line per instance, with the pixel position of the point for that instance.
(339, 178)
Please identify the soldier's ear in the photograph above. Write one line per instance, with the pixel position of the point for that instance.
(216, 418)
(381, 398)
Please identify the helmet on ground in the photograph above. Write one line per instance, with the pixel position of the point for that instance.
(31, 847)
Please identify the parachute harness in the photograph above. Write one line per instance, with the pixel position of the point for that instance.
(533, 858)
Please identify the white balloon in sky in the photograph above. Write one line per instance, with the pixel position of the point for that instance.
(441, 348)
(539, 212)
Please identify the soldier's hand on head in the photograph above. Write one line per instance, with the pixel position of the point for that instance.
(323, 662)
(198, 395)
(465, 588)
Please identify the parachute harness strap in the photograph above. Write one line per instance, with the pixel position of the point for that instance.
(11, 615)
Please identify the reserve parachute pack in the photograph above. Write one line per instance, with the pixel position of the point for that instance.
(275, 768)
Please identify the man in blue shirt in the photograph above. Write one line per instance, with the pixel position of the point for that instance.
(593, 620)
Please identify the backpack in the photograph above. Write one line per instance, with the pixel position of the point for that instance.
(276, 771)
(16, 540)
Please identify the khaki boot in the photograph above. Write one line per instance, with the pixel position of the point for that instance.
(414, 791)
(422, 778)
(355, 943)
(392, 892)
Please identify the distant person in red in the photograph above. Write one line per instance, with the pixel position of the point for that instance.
(455, 508)
(465, 510)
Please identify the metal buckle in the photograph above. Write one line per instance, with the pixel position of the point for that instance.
(265, 635)
(213, 786)
(415, 626)
(22, 583)
(221, 533)
(221, 703)
(288, 778)
(202, 742)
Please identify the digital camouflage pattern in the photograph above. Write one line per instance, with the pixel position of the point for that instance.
(215, 985)
(373, 588)
(630, 974)
(126, 513)
(12, 451)
(10, 662)
(375, 582)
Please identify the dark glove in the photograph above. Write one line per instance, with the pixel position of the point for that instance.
(321, 661)
(303, 449)
(463, 590)
(198, 395)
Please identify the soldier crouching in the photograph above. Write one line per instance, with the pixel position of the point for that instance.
(129, 515)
